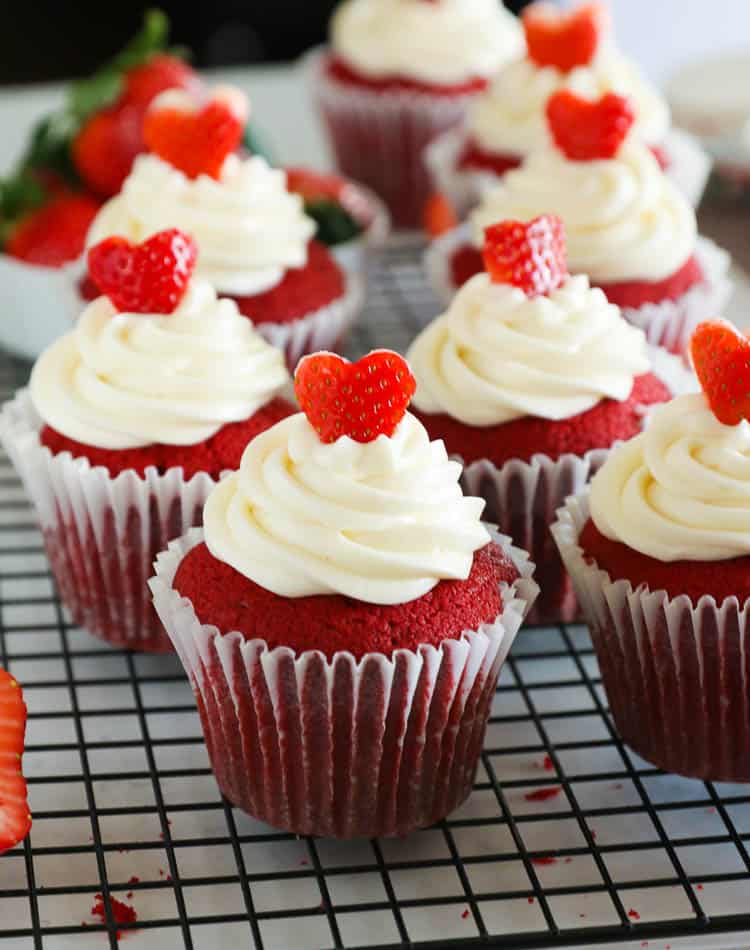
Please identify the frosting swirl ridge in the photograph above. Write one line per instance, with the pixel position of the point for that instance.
(381, 522)
(681, 489)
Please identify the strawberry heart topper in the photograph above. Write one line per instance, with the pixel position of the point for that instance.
(564, 40)
(196, 138)
(362, 400)
(151, 277)
(586, 130)
(530, 255)
(721, 358)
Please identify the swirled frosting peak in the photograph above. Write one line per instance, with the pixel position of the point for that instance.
(624, 219)
(443, 42)
(250, 230)
(497, 354)
(681, 489)
(381, 521)
(123, 380)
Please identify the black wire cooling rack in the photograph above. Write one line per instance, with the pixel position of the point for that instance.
(568, 840)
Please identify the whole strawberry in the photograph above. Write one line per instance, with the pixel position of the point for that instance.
(150, 277)
(15, 820)
(54, 234)
(362, 400)
(530, 255)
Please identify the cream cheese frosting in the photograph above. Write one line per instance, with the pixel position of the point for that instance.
(624, 219)
(124, 380)
(510, 115)
(444, 42)
(681, 489)
(381, 522)
(249, 229)
(498, 355)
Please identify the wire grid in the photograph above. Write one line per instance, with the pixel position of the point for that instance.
(568, 839)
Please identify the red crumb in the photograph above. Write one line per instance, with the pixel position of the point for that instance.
(699, 887)
(581, 915)
(720, 579)
(221, 452)
(543, 794)
(529, 900)
(597, 428)
(712, 810)
(617, 786)
(633, 914)
(568, 860)
(637, 293)
(304, 862)
(121, 913)
(593, 834)
(545, 861)
(465, 915)
(134, 880)
(474, 156)
(467, 261)
(548, 765)
(343, 72)
(301, 292)
(162, 872)
(129, 895)
(225, 598)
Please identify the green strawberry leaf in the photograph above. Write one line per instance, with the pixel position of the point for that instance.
(18, 195)
(49, 146)
(151, 39)
(335, 224)
(87, 96)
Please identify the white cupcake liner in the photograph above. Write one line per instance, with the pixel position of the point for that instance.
(325, 329)
(690, 167)
(676, 673)
(671, 323)
(523, 498)
(379, 136)
(668, 324)
(37, 304)
(371, 213)
(102, 533)
(341, 747)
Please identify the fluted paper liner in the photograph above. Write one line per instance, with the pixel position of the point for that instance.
(102, 533)
(668, 324)
(689, 168)
(676, 673)
(522, 498)
(342, 748)
(325, 329)
(379, 136)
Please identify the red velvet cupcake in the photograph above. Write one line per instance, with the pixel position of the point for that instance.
(398, 74)
(130, 420)
(255, 240)
(565, 50)
(529, 378)
(343, 628)
(628, 228)
(658, 551)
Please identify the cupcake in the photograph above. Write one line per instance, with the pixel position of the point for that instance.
(344, 614)
(565, 50)
(128, 422)
(399, 73)
(659, 551)
(256, 244)
(628, 228)
(529, 378)
(75, 157)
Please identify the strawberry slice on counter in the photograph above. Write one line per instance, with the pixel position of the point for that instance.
(15, 820)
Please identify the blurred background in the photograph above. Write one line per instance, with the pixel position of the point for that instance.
(52, 40)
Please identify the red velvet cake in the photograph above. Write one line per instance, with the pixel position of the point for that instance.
(344, 684)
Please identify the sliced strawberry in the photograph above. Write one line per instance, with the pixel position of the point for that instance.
(439, 215)
(54, 234)
(586, 130)
(362, 400)
(151, 277)
(15, 820)
(527, 255)
(197, 141)
(721, 359)
(106, 147)
(564, 40)
(162, 71)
